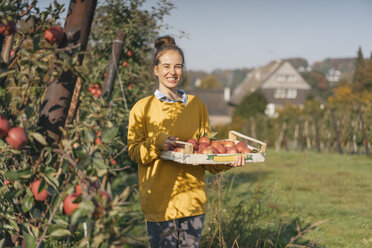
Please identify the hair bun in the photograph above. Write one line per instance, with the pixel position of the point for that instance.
(164, 41)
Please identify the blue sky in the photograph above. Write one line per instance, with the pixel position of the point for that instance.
(237, 33)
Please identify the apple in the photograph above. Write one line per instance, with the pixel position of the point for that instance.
(54, 35)
(246, 150)
(7, 182)
(203, 145)
(129, 86)
(105, 74)
(68, 204)
(78, 189)
(12, 54)
(98, 93)
(129, 53)
(240, 146)
(207, 150)
(231, 150)
(194, 143)
(216, 143)
(17, 138)
(104, 195)
(204, 139)
(113, 161)
(221, 149)
(7, 28)
(39, 196)
(228, 144)
(98, 140)
(179, 149)
(215, 150)
(125, 64)
(4, 127)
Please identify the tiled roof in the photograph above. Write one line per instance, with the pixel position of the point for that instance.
(214, 99)
(253, 81)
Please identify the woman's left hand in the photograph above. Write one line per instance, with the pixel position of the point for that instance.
(239, 161)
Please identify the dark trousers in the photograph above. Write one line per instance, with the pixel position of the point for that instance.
(178, 233)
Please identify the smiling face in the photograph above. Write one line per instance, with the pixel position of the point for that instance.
(169, 70)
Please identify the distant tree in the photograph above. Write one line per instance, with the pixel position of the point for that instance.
(251, 105)
(210, 82)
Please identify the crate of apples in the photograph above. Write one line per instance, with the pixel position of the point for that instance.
(207, 151)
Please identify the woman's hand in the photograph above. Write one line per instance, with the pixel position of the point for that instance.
(239, 161)
(169, 143)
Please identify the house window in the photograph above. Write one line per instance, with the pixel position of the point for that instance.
(291, 93)
(280, 93)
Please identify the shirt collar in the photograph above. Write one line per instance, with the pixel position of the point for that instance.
(162, 97)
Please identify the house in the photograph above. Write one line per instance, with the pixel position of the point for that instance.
(278, 81)
(216, 101)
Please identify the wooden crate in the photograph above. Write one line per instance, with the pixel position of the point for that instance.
(188, 157)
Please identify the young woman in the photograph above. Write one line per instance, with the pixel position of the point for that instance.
(172, 195)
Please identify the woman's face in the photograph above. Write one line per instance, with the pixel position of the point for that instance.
(169, 70)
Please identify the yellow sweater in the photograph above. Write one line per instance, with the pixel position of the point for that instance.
(168, 190)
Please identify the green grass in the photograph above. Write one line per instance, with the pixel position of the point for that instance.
(303, 188)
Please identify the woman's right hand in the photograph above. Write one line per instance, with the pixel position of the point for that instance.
(169, 143)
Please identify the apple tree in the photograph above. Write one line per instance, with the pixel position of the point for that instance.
(74, 188)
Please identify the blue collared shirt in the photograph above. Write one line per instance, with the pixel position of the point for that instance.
(162, 97)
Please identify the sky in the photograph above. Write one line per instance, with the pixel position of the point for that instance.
(233, 34)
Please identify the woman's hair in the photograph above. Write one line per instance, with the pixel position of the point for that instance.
(163, 44)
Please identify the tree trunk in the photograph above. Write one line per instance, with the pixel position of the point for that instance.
(337, 135)
(316, 129)
(117, 49)
(58, 95)
(279, 141)
(296, 134)
(364, 132)
(306, 132)
(300, 135)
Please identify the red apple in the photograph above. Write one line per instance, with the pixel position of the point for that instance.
(68, 204)
(125, 64)
(194, 143)
(113, 161)
(179, 149)
(129, 53)
(216, 143)
(17, 138)
(204, 139)
(129, 86)
(4, 127)
(228, 144)
(39, 196)
(246, 150)
(78, 189)
(240, 146)
(104, 195)
(231, 150)
(54, 35)
(207, 150)
(203, 145)
(7, 28)
(221, 149)
(215, 150)
(7, 182)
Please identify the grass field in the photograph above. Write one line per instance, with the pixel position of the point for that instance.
(323, 199)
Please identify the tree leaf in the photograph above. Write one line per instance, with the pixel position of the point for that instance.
(60, 233)
(40, 138)
(27, 203)
(109, 133)
(30, 241)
